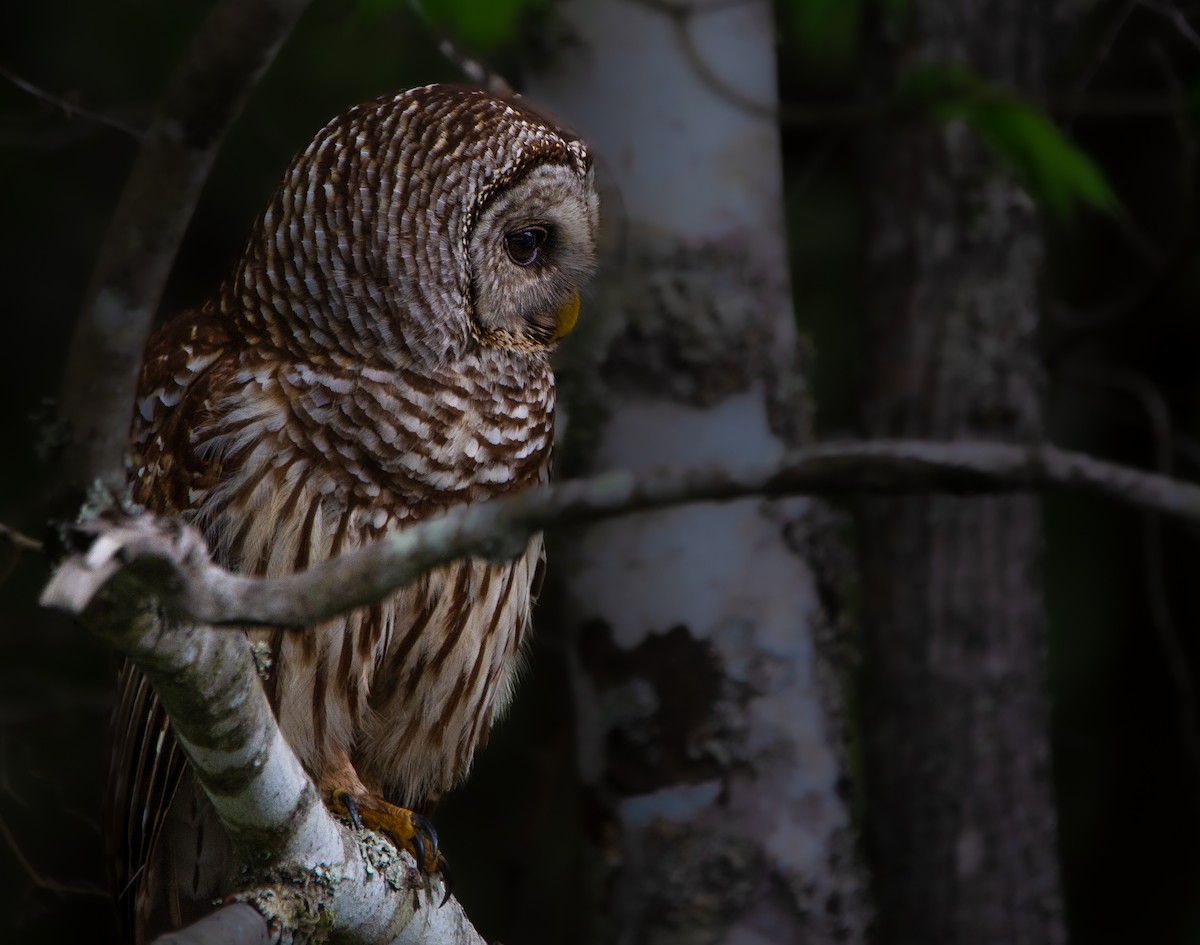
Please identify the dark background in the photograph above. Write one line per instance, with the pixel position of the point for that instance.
(1121, 342)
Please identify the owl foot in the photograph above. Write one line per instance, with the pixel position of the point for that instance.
(407, 829)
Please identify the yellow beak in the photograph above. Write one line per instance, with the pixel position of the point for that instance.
(566, 317)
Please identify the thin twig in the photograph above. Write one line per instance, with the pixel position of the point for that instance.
(1112, 103)
(1176, 17)
(1166, 629)
(42, 882)
(17, 543)
(69, 108)
(19, 540)
(1103, 48)
(1183, 126)
(478, 72)
(1080, 326)
(790, 113)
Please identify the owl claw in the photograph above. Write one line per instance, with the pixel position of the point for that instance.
(418, 848)
(423, 828)
(407, 829)
(346, 799)
(443, 870)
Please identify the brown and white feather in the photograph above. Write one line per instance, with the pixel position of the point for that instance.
(374, 359)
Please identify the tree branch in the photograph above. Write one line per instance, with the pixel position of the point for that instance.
(69, 108)
(307, 874)
(306, 867)
(180, 573)
(231, 51)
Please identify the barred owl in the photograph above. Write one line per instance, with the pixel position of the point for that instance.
(379, 354)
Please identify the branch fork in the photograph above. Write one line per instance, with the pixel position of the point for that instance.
(149, 587)
(307, 874)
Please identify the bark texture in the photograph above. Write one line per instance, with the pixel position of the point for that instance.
(960, 809)
(230, 53)
(308, 876)
(709, 719)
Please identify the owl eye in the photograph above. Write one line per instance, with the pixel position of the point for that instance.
(524, 244)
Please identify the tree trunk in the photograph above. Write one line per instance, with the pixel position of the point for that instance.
(961, 820)
(709, 712)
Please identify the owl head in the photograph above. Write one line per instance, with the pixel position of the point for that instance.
(419, 225)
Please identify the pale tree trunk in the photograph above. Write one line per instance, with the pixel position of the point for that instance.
(960, 812)
(710, 713)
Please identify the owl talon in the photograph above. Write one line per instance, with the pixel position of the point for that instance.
(346, 799)
(443, 870)
(407, 829)
(418, 848)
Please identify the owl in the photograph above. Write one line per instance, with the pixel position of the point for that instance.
(379, 354)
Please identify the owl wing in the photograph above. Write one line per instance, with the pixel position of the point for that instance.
(146, 769)
(182, 363)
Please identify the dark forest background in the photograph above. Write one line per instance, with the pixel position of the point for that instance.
(1121, 342)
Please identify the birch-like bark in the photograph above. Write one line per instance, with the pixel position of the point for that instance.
(960, 808)
(710, 715)
(308, 875)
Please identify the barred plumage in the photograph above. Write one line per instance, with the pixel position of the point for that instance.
(379, 354)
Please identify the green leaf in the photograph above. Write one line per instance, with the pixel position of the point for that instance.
(1058, 175)
(483, 25)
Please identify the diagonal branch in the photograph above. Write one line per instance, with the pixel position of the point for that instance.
(306, 874)
(231, 51)
(70, 109)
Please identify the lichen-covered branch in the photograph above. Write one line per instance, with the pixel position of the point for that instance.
(229, 54)
(174, 565)
(307, 874)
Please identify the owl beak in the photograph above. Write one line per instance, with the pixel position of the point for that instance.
(566, 317)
